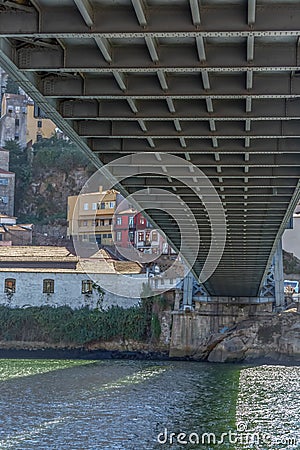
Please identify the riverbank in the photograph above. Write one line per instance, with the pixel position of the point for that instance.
(82, 354)
(264, 338)
(65, 353)
(137, 351)
(101, 350)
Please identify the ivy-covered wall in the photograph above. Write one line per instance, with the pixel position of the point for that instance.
(64, 325)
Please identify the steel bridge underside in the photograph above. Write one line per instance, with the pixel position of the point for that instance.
(216, 83)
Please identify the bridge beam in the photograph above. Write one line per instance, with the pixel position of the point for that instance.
(272, 291)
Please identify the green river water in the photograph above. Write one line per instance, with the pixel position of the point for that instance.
(143, 405)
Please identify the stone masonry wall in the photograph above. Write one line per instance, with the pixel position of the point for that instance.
(67, 290)
(236, 335)
(191, 332)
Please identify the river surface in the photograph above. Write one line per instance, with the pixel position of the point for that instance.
(141, 405)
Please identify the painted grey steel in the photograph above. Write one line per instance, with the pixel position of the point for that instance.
(214, 82)
(279, 277)
(188, 289)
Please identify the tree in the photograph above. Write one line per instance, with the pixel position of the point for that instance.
(38, 170)
(17, 155)
(11, 86)
(18, 163)
(58, 154)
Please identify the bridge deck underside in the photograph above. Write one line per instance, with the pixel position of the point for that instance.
(216, 83)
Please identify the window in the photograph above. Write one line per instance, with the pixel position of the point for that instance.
(48, 286)
(111, 204)
(154, 236)
(38, 112)
(17, 122)
(131, 221)
(140, 236)
(119, 220)
(3, 181)
(142, 221)
(109, 235)
(39, 137)
(84, 223)
(94, 206)
(39, 124)
(147, 238)
(85, 206)
(102, 206)
(10, 285)
(87, 287)
(119, 236)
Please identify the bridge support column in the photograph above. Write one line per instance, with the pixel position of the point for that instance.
(273, 287)
(278, 277)
(188, 290)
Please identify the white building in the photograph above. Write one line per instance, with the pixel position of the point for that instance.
(36, 276)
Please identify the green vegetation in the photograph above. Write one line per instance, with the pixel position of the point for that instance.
(18, 158)
(57, 154)
(19, 164)
(64, 325)
(45, 177)
(11, 86)
(155, 326)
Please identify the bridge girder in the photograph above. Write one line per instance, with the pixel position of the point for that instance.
(215, 83)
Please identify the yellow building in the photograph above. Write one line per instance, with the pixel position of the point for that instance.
(18, 121)
(38, 127)
(90, 216)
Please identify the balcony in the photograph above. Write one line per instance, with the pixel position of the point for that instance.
(94, 228)
(103, 228)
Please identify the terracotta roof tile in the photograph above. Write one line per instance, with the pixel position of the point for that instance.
(36, 253)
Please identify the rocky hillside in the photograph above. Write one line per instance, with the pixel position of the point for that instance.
(45, 176)
(45, 200)
(291, 264)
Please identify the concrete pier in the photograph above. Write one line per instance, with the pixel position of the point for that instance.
(192, 332)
